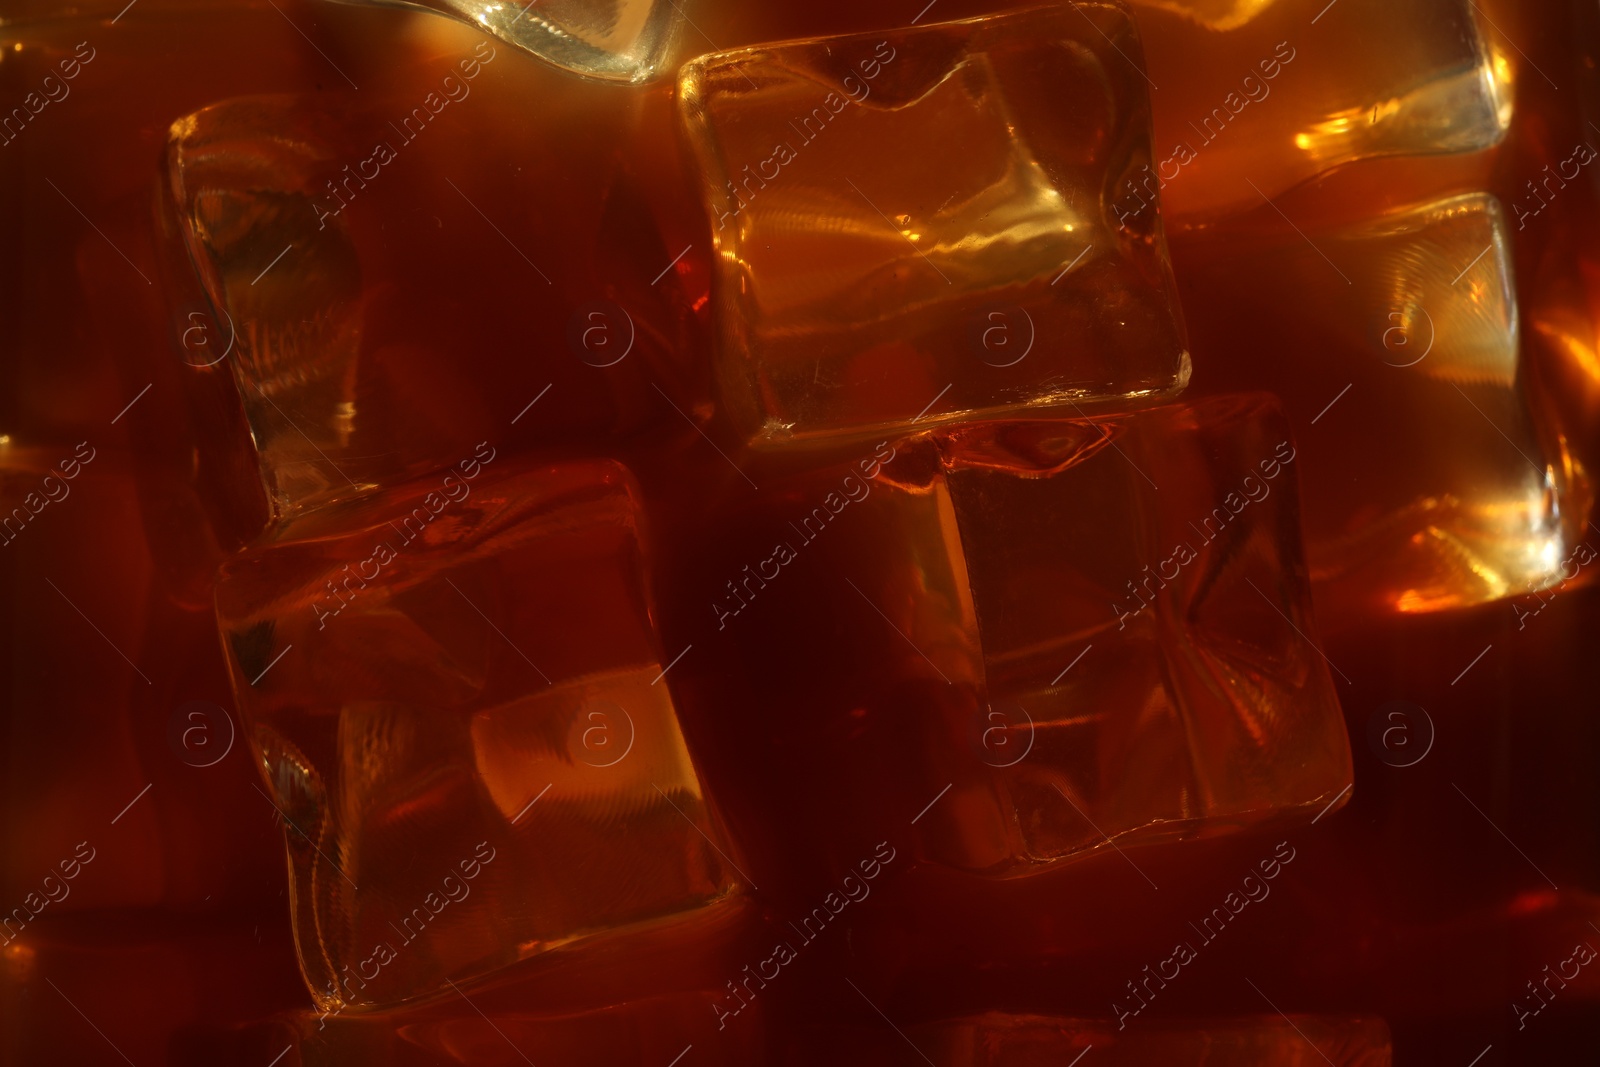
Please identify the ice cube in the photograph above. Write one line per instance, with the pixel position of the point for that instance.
(1018, 641)
(1143, 615)
(1426, 484)
(389, 307)
(245, 202)
(1256, 98)
(614, 40)
(454, 691)
(913, 223)
(1221, 15)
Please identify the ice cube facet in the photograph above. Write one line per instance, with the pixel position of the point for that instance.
(1256, 98)
(613, 40)
(1426, 484)
(1015, 629)
(295, 334)
(912, 222)
(450, 691)
(388, 309)
(1141, 607)
(1212, 14)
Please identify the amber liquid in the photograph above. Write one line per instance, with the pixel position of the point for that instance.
(799, 634)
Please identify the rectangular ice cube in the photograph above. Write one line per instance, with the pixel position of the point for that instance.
(613, 40)
(382, 306)
(1255, 97)
(1427, 485)
(1143, 614)
(455, 692)
(918, 222)
(1018, 648)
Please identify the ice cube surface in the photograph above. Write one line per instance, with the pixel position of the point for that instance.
(1427, 486)
(246, 203)
(1143, 614)
(453, 690)
(1054, 635)
(912, 223)
(1255, 98)
(381, 308)
(610, 40)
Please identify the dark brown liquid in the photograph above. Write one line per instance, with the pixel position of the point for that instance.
(273, 272)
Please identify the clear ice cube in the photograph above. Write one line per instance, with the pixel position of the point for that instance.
(455, 692)
(1256, 98)
(1143, 615)
(1426, 483)
(612, 40)
(915, 223)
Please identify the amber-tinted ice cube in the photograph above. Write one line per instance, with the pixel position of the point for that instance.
(920, 221)
(1004, 1040)
(385, 307)
(454, 690)
(1142, 611)
(615, 40)
(1257, 97)
(294, 337)
(1395, 345)
(1010, 626)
